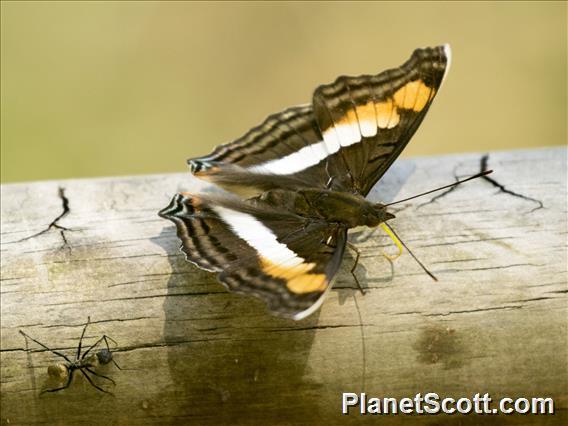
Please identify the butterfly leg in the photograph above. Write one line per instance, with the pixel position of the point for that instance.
(357, 256)
(401, 244)
(330, 178)
(395, 240)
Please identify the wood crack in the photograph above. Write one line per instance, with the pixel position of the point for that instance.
(153, 296)
(54, 223)
(99, 322)
(534, 299)
(443, 194)
(483, 167)
(316, 327)
(498, 308)
(466, 242)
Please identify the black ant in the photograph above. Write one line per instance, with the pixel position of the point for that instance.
(84, 363)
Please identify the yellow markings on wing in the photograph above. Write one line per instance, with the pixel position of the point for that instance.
(387, 114)
(366, 112)
(413, 95)
(361, 119)
(395, 240)
(298, 278)
(206, 173)
(365, 119)
(193, 200)
(307, 283)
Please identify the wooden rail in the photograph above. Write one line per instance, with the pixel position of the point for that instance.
(192, 353)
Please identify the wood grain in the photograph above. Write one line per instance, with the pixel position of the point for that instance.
(192, 353)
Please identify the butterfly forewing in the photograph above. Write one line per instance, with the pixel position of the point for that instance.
(346, 140)
(372, 118)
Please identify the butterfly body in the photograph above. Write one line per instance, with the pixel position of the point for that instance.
(334, 207)
(300, 180)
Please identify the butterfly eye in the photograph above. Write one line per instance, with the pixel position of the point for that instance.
(370, 218)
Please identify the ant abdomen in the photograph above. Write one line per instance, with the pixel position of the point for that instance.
(58, 371)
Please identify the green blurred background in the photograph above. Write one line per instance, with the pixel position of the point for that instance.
(117, 88)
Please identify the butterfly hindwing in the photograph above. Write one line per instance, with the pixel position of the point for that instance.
(282, 258)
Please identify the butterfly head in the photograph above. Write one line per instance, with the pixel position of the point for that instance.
(375, 214)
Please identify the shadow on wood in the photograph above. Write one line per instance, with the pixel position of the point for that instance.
(192, 353)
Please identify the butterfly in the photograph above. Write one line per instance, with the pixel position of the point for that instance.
(297, 183)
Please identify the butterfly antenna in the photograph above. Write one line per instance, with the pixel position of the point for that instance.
(412, 254)
(459, 182)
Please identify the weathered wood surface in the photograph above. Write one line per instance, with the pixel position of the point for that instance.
(192, 353)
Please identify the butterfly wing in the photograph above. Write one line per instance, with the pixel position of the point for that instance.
(370, 119)
(345, 141)
(284, 259)
(272, 155)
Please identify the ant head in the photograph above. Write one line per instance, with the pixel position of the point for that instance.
(58, 371)
(104, 356)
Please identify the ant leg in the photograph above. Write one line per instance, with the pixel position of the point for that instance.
(105, 337)
(91, 347)
(115, 363)
(81, 339)
(357, 256)
(93, 384)
(99, 375)
(111, 339)
(49, 349)
(62, 387)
